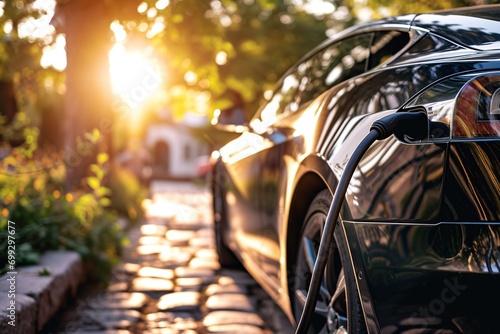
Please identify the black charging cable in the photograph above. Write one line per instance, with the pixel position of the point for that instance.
(412, 124)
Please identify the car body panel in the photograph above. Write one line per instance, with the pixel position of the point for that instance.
(426, 276)
(422, 219)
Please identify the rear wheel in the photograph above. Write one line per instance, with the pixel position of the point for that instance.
(338, 309)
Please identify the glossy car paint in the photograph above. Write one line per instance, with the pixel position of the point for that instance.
(422, 219)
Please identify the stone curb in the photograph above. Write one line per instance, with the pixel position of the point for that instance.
(38, 298)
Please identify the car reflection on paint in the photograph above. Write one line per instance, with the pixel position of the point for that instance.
(418, 239)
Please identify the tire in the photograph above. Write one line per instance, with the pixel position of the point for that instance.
(345, 313)
(227, 259)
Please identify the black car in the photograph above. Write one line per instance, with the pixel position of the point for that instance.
(416, 244)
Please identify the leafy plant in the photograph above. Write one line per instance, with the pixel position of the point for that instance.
(48, 218)
(127, 194)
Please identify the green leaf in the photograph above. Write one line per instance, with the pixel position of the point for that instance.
(105, 201)
(103, 191)
(96, 135)
(93, 182)
(86, 200)
(30, 258)
(93, 136)
(102, 158)
(94, 168)
(44, 272)
(10, 160)
(99, 173)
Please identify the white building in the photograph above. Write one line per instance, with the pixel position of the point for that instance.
(174, 151)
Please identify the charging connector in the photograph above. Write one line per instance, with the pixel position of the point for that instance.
(413, 124)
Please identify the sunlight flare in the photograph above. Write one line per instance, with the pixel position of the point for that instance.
(134, 78)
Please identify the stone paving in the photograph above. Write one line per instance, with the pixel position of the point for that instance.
(170, 281)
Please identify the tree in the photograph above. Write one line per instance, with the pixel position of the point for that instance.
(88, 93)
(221, 46)
(20, 69)
(16, 52)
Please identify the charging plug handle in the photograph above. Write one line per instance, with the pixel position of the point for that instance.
(412, 124)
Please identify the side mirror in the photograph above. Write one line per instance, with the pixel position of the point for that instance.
(231, 119)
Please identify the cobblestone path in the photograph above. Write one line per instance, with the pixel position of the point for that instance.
(170, 282)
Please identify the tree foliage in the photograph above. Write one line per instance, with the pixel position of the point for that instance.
(225, 46)
(15, 53)
(26, 88)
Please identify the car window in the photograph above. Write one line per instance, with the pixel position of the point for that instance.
(311, 77)
(429, 45)
(336, 63)
(385, 45)
(287, 97)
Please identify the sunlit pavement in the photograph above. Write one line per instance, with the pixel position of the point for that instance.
(170, 280)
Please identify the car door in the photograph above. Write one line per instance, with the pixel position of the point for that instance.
(289, 130)
(252, 190)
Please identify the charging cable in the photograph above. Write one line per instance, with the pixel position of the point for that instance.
(413, 124)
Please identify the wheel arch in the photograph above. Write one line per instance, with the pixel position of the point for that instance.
(314, 175)
(307, 187)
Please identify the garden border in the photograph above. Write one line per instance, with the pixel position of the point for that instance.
(41, 291)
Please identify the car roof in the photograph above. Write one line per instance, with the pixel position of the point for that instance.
(477, 27)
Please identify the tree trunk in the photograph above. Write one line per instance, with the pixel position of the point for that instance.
(88, 92)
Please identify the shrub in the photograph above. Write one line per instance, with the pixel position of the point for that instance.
(127, 194)
(48, 218)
